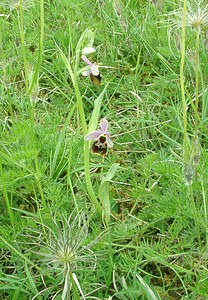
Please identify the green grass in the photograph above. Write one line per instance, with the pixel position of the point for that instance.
(129, 225)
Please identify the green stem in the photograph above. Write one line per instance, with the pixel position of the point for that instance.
(86, 145)
(35, 152)
(40, 52)
(196, 216)
(22, 36)
(197, 80)
(29, 88)
(10, 106)
(34, 81)
(204, 196)
(10, 212)
(2, 58)
(185, 137)
(74, 287)
(79, 104)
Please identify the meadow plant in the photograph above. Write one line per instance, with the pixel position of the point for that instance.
(103, 141)
(34, 85)
(63, 247)
(197, 20)
(195, 16)
(86, 40)
(31, 77)
(18, 4)
(157, 234)
(117, 5)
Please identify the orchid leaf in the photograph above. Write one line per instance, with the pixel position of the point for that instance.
(66, 63)
(111, 173)
(103, 193)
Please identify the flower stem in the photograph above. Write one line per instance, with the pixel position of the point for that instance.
(185, 136)
(22, 36)
(197, 81)
(196, 216)
(28, 89)
(74, 288)
(86, 145)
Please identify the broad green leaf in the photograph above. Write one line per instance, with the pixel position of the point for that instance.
(103, 192)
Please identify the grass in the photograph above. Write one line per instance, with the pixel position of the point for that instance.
(128, 225)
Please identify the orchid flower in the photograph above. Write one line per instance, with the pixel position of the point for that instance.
(101, 138)
(93, 71)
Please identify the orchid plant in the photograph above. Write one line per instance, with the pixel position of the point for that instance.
(101, 138)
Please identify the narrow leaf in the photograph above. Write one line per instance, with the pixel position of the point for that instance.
(149, 293)
(103, 194)
(60, 141)
(66, 62)
(111, 173)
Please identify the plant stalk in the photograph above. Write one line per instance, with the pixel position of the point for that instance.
(182, 84)
(86, 146)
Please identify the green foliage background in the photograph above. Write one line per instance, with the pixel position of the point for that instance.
(158, 228)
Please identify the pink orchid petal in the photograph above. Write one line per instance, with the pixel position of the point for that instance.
(109, 142)
(86, 73)
(104, 125)
(94, 70)
(85, 59)
(92, 136)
